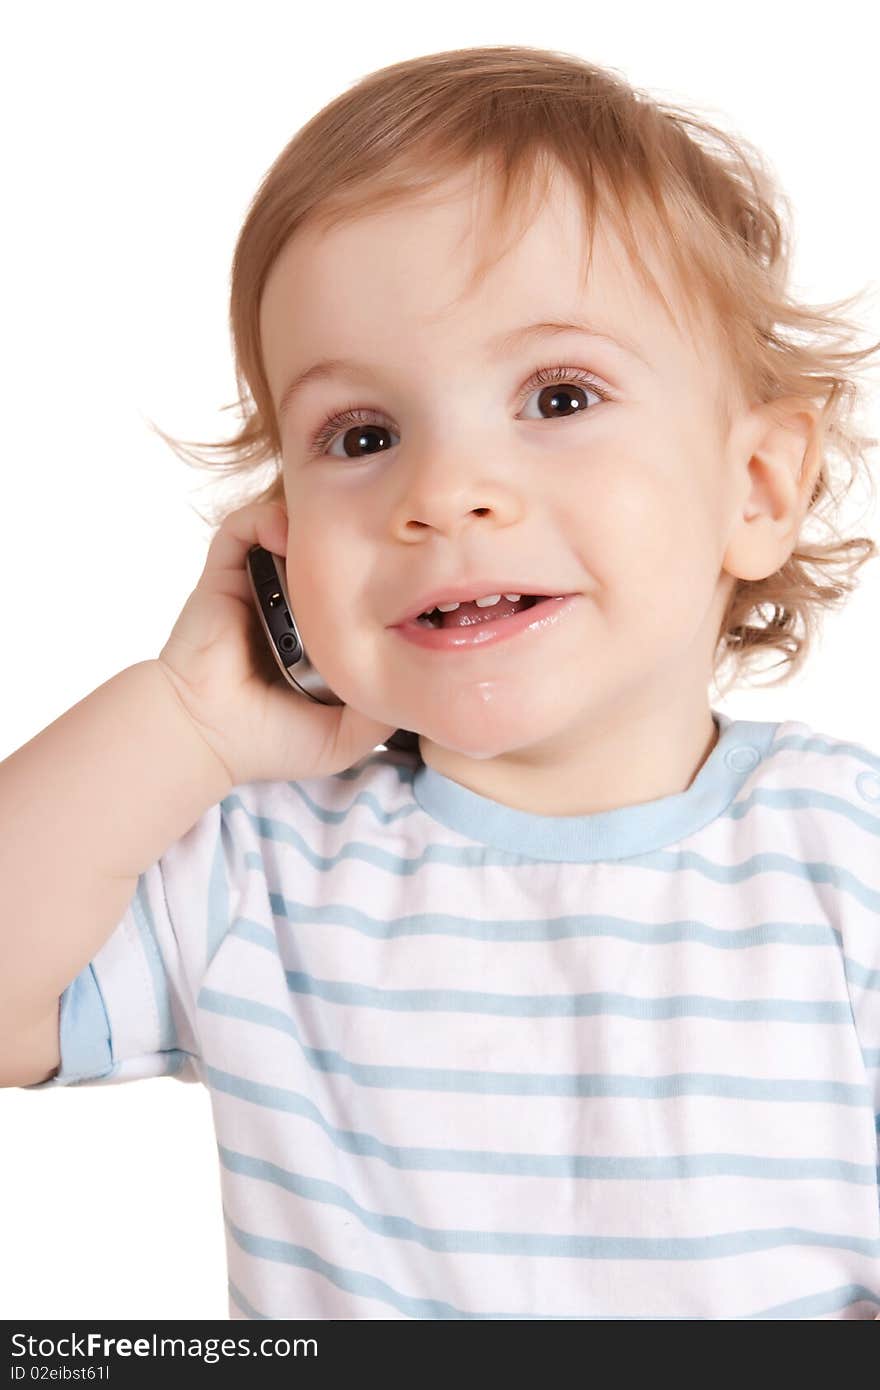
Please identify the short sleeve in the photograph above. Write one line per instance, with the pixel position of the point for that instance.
(131, 1012)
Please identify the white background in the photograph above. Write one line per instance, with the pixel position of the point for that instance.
(133, 140)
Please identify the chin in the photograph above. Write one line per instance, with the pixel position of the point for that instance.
(477, 749)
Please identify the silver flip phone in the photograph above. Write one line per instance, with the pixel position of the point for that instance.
(272, 602)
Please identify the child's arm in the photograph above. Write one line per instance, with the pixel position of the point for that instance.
(91, 802)
(85, 807)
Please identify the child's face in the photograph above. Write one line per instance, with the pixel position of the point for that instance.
(629, 504)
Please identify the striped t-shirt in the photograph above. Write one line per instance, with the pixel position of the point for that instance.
(469, 1062)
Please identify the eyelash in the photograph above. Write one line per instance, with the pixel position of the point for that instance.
(545, 376)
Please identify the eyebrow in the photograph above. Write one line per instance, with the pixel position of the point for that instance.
(499, 346)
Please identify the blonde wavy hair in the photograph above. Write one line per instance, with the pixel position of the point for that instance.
(708, 201)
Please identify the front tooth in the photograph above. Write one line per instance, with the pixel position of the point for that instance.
(480, 602)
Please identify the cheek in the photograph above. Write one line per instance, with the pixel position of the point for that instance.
(327, 580)
(648, 540)
(311, 542)
(315, 590)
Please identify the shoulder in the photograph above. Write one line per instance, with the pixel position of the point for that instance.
(805, 755)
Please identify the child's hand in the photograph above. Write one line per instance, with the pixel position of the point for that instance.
(219, 662)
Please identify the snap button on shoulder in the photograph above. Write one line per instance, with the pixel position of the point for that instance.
(868, 785)
(742, 758)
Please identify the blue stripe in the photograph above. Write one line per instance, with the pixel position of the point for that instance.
(816, 1305)
(479, 856)
(832, 747)
(328, 816)
(610, 1247)
(860, 975)
(801, 799)
(809, 1306)
(471, 856)
(452, 1080)
(553, 929)
(646, 1007)
(515, 1244)
(218, 909)
(364, 1285)
(814, 871)
(554, 1005)
(435, 1238)
(569, 926)
(142, 915)
(424, 1159)
(243, 1303)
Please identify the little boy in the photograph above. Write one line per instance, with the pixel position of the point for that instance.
(572, 1011)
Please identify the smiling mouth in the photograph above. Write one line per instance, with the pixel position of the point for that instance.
(468, 614)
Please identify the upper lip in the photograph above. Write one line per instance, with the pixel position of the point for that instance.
(470, 589)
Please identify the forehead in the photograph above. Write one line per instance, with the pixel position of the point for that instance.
(398, 284)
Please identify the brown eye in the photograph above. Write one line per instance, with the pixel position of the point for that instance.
(562, 392)
(373, 438)
(563, 400)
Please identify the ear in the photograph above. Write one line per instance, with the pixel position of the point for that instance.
(775, 457)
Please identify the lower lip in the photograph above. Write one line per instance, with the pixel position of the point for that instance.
(456, 639)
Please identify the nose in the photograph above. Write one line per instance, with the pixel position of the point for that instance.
(449, 502)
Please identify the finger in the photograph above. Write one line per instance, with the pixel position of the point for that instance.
(260, 523)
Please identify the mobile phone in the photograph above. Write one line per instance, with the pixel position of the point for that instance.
(275, 612)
